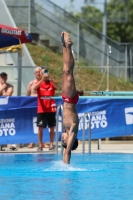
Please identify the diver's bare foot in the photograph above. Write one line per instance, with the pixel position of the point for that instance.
(66, 39)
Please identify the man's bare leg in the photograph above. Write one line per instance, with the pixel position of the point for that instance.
(40, 134)
(68, 83)
(51, 137)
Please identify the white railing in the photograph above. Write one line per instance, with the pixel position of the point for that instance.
(59, 108)
(89, 133)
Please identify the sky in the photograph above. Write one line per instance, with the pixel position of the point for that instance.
(77, 4)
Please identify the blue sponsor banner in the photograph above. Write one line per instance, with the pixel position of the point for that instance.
(110, 117)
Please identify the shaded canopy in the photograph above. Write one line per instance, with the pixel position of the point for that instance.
(13, 36)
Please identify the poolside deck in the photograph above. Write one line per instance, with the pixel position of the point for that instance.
(105, 147)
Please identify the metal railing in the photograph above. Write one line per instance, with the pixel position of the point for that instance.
(59, 108)
(90, 46)
(89, 133)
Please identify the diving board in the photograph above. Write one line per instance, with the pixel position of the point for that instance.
(112, 92)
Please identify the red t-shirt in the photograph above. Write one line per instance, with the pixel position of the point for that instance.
(46, 105)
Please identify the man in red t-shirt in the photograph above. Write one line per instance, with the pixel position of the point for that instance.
(46, 107)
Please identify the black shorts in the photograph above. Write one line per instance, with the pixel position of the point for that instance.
(44, 119)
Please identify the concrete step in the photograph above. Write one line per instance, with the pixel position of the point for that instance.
(54, 48)
(35, 37)
(45, 43)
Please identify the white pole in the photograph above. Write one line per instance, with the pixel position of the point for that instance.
(108, 52)
(29, 15)
(78, 40)
(57, 119)
(19, 73)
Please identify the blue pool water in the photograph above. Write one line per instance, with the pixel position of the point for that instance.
(46, 177)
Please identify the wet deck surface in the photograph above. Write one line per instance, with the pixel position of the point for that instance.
(103, 147)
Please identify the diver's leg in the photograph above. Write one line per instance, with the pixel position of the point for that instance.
(68, 82)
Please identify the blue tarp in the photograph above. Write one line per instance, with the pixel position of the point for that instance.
(110, 117)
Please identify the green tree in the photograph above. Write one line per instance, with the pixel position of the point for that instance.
(122, 14)
(92, 16)
(119, 19)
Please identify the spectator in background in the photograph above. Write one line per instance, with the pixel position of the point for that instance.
(30, 91)
(6, 89)
(46, 110)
